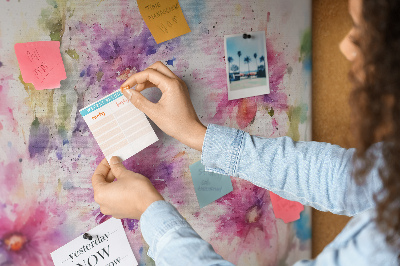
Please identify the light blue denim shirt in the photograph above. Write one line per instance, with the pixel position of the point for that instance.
(312, 173)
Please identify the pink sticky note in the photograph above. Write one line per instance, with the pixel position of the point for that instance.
(284, 209)
(41, 63)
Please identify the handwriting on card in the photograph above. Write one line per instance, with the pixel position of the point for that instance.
(164, 18)
(209, 186)
(122, 102)
(100, 114)
(41, 64)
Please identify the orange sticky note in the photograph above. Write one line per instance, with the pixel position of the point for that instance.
(41, 63)
(164, 18)
(284, 209)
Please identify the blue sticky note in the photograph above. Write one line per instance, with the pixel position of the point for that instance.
(209, 186)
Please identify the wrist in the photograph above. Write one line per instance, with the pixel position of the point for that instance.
(148, 204)
(196, 137)
(152, 196)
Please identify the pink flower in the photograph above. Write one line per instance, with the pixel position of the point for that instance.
(28, 234)
(246, 226)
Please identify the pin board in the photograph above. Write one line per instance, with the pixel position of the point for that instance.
(48, 153)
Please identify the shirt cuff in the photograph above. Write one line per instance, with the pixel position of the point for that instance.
(222, 148)
(158, 219)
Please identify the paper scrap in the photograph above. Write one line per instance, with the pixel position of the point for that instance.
(209, 186)
(41, 63)
(284, 209)
(164, 18)
(118, 126)
(109, 246)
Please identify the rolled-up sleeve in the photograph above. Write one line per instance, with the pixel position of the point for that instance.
(172, 241)
(312, 173)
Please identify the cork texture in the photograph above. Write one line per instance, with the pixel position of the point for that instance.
(331, 89)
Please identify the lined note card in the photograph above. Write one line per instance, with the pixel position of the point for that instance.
(41, 63)
(108, 246)
(118, 126)
(164, 18)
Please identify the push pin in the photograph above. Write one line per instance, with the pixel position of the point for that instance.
(125, 88)
(87, 236)
(246, 36)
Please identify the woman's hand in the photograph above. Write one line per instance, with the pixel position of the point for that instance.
(128, 197)
(174, 112)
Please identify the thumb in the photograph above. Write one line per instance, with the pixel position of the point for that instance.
(138, 100)
(117, 167)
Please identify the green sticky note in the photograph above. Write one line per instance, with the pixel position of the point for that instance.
(209, 186)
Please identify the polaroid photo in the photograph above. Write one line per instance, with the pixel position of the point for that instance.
(246, 65)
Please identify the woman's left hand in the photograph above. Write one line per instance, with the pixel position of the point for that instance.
(128, 197)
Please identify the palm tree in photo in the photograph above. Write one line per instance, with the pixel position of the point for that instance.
(234, 68)
(239, 55)
(255, 58)
(247, 60)
(262, 59)
(230, 60)
(262, 72)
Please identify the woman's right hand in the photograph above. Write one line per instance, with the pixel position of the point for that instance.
(174, 112)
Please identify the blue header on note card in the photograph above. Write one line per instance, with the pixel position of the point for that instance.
(101, 103)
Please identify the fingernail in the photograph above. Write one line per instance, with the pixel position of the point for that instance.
(115, 160)
(127, 93)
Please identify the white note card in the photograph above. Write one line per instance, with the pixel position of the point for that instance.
(109, 247)
(118, 126)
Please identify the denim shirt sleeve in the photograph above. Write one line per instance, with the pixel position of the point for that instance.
(172, 240)
(312, 173)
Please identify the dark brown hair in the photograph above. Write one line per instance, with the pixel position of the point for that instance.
(376, 106)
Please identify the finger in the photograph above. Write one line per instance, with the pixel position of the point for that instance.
(143, 86)
(110, 177)
(159, 80)
(100, 174)
(160, 67)
(117, 167)
(140, 102)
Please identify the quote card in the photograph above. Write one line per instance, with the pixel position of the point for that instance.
(118, 126)
(287, 210)
(164, 18)
(108, 246)
(209, 186)
(41, 64)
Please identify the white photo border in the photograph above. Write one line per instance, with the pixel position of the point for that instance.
(248, 92)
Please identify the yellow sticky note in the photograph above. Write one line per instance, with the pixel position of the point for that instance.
(164, 18)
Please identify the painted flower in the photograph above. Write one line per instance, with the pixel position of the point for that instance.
(28, 234)
(245, 230)
(114, 51)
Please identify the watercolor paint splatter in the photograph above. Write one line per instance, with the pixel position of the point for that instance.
(48, 154)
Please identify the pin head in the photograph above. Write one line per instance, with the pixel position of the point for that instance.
(246, 36)
(87, 236)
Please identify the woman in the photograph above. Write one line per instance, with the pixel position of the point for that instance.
(362, 182)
